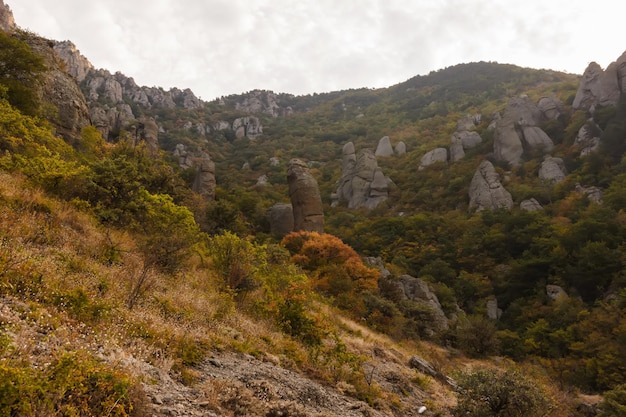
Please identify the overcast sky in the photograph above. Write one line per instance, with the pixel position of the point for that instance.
(221, 47)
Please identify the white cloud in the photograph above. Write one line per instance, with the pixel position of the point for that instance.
(220, 47)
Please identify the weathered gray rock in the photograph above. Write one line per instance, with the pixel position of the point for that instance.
(468, 122)
(377, 262)
(593, 194)
(520, 112)
(267, 102)
(204, 183)
(60, 89)
(493, 312)
(456, 150)
(530, 205)
(362, 183)
(249, 126)
(186, 99)
(308, 213)
(551, 107)
(552, 170)
(384, 147)
(555, 292)
(148, 132)
(7, 22)
(400, 148)
(597, 87)
(274, 161)
(431, 157)
(621, 72)
(185, 159)
(535, 139)
(469, 140)
(263, 180)
(486, 192)
(588, 137)
(418, 291)
(281, 219)
(77, 65)
(221, 125)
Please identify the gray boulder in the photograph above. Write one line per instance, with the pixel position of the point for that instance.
(552, 170)
(418, 291)
(249, 127)
(486, 192)
(204, 183)
(535, 139)
(493, 312)
(551, 107)
(384, 147)
(362, 184)
(597, 87)
(308, 212)
(588, 137)
(593, 193)
(456, 150)
(555, 292)
(281, 219)
(520, 112)
(530, 205)
(431, 157)
(400, 148)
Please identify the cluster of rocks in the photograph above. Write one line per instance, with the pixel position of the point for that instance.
(362, 183)
(266, 102)
(204, 183)
(601, 87)
(517, 131)
(385, 148)
(462, 139)
(486, 191)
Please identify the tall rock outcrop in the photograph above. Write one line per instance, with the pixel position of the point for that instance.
(418, 291)
(362, 183)
(204, 183)
(552, 170)
(249, 126)
(77, 65)
(281, 219)
(60, 89)
(7, 22)
(518, 131)
(266, 102)
(384, 147)
(598, 87)
(486, 192)
(308, 212)
(431, 157)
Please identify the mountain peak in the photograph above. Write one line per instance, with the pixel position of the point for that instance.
(7, 22)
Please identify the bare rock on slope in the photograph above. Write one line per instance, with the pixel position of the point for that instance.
(308, 212)
(486, 192)
(7, 22)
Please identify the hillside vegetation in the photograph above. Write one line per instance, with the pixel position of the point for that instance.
(120, 288)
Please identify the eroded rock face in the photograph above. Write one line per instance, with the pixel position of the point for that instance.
(518, 131)
(530, 205)
(384, 147)
(204, 183)
(400, 149)
(185, 158)
(249, 126)
(551, 107)
(552, 170)
(431, 157)
(281, 219)
(60, 88)
(308, 213)
(77, 65)
(362, 182)
(418, 291)
(7, 22)
(588, 138)
(486, 192)
(148, 132)
(263, 102)
(598, 87)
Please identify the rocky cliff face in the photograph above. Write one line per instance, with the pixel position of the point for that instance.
(60, 89)
(7, 22)
(601, 87)
(518, 132)
(308, 212)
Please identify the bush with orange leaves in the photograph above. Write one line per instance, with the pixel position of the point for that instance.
(335, 269)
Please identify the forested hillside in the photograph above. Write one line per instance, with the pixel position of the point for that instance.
(138, 251)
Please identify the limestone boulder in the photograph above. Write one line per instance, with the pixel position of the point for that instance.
(400, 148)
(249, 127)
(431, 157)
(621, 72)
(7, 22)
(185, 158)
(551, 107)
(486, 192)
(530, 205)
(520, 112)
(535, 139)
(597, 87)
(418, 291)
(593, 193)
(308, 213)
(468, 139)
(456, 151)
(281, 219)
(384, 147)
(77, 65)
(555, 292)
(362, 183)
(552, 170)
(468, 122)
(204, 183)
(148, 132)
(588, 137)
